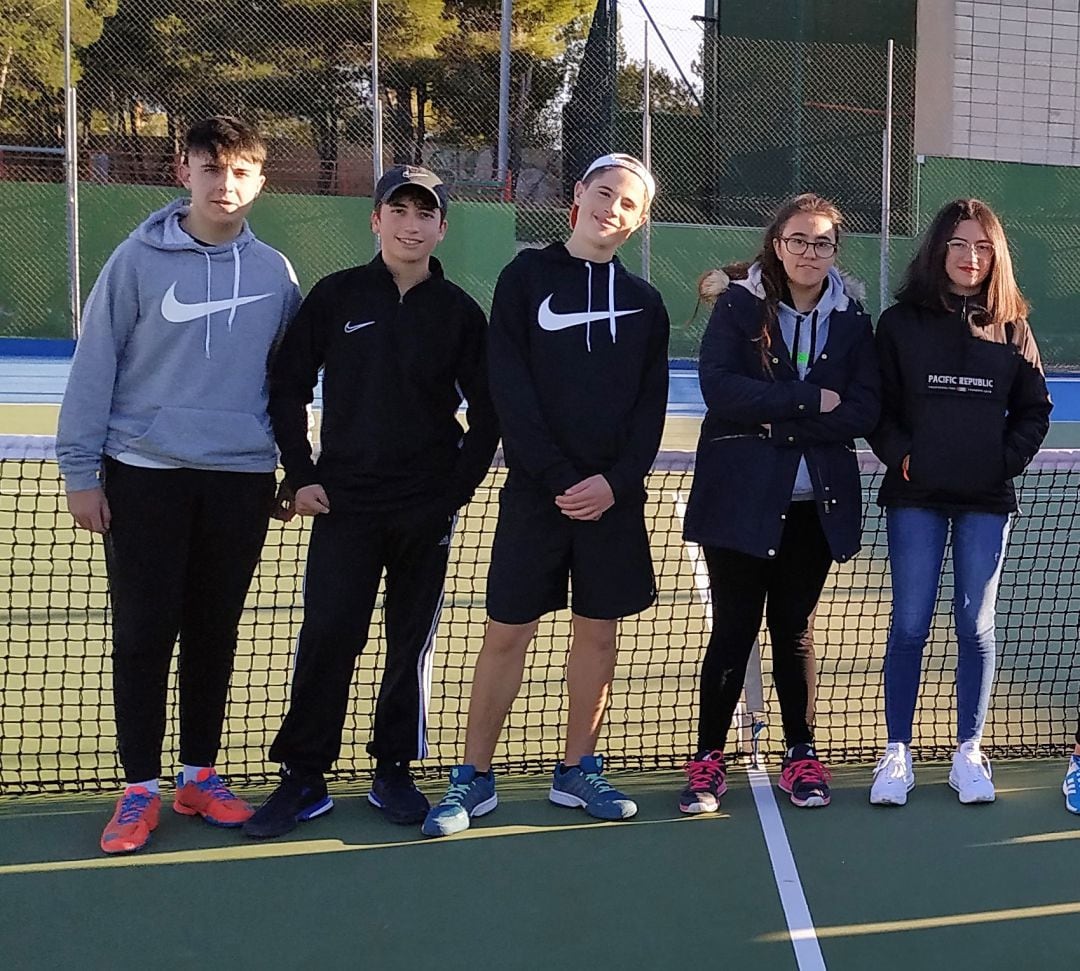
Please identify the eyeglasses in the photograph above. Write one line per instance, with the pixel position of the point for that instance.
(797, 246)
(983, 250)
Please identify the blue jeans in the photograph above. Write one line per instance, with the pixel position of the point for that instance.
(917, 540)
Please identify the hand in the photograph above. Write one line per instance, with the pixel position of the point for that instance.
(90, 509)
(904, 468)
(588, 500)
(283, 507)
(829, 400)
(311, 500)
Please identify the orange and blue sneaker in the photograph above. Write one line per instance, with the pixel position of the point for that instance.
(804, 778)
(135, 818)
(207, 796)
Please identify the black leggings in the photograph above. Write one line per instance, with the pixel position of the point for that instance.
(180, 554)
(786, 589)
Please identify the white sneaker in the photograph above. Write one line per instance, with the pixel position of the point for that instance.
(971, 774)
(893, 777)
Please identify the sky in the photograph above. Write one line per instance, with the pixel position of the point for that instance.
(673, 18)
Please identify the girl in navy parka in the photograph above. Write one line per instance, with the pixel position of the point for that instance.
(789, 377)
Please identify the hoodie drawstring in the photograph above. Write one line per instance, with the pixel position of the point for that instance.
(235, 284)
(206, 342)
(802, 368)
(588, 310)
(611, 299)
(235, 294)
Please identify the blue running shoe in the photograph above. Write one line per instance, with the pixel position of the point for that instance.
(470, 794)
(1071, 786)
(584, 787)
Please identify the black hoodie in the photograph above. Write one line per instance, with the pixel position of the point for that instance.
(579, 371)
(395, 370)
(966, 401)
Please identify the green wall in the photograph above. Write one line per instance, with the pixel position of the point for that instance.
(319, 234)
(1040, 206)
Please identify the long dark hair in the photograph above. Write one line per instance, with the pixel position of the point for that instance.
(773, 277)
(926, 283)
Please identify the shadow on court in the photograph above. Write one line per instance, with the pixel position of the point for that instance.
(530, 886)
(939, 885)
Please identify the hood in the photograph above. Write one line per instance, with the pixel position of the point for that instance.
(715, 282)
(162, 231)
(836, 296)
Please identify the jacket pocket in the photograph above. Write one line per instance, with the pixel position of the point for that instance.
(960, 450)
(205, 437)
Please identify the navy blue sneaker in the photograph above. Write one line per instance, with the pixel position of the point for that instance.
(584, 787)
(296, 799)
(395, 793)
(470, 794)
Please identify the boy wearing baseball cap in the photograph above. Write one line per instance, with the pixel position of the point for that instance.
(579, 370)
(400, 347)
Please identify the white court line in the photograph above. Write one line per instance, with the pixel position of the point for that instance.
(800, 924)
(786, 874)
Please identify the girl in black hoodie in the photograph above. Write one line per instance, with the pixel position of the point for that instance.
(964, 410)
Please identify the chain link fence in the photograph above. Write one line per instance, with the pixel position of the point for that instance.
(747, 105)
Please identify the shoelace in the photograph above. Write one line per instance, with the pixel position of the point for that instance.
(893, 765)
(216, 788)
(703, 773)
(810, 771)
(134, 804)
(455, 795)
(598, 782)
(976, 771)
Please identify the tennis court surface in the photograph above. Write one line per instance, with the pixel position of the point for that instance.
(932, 885)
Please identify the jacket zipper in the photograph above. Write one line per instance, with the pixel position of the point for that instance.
(726, 438)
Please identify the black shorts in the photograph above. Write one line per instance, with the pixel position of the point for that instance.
(538, 552)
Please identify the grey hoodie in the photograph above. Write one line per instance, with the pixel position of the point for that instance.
(170, 369)
(812, 329)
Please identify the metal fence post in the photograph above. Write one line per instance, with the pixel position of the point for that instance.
(71, 178)
(886, 181)
(646, 153)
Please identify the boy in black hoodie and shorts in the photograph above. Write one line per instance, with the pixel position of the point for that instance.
(578, 364)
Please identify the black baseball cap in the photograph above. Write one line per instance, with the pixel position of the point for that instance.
(402, 175)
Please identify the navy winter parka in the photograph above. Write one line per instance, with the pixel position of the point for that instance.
(745, 472)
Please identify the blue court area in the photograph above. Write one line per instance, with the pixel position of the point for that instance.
(40, 379)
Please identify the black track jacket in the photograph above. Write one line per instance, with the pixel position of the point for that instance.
(395, 370)
(967, 401)
(579, 372)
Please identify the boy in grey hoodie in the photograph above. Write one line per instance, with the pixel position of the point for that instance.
(166, 449)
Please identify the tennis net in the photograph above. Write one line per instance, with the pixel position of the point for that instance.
(57, 729)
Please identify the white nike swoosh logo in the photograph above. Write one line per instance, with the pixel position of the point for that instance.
(548, 319)
(180, 313)
(350, 327)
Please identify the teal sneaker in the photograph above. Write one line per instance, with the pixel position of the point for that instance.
(470, 794)
(584, 787)
(1071, 786)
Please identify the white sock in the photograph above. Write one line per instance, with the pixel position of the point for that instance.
(191, 772)
(150, 785)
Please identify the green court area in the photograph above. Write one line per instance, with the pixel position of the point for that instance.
(932, 885)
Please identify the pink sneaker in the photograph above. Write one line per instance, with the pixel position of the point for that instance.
(805, 778)
(706, 782)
